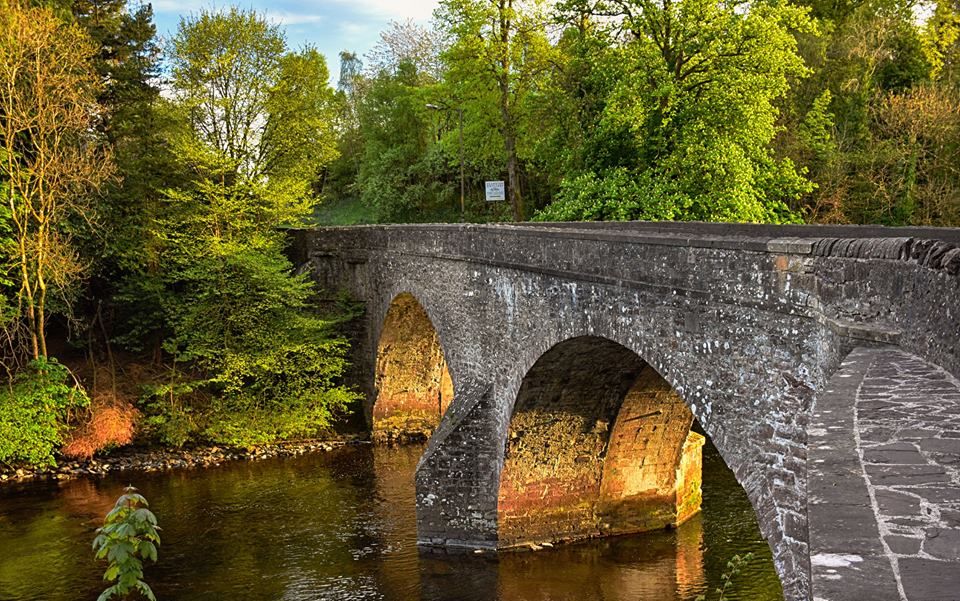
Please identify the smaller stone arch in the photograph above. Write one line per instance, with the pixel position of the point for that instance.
(598, 444)
(412, 382)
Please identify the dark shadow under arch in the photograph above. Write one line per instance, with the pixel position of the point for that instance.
(412, 383)
(599, 443)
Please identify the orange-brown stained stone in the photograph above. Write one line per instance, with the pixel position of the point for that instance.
(568, 477)
(412, 380)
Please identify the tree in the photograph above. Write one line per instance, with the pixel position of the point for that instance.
(406, 42)
(497, 53)
(941, 42)
(252, 357)
(873, 67)
(402, 174)
(265, 114)
(120, 304)
(50, 163)
(351, 71)
(910, 173)
(392, 163)
(695, 83)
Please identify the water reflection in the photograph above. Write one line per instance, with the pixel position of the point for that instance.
(342, 526)
(663, 565)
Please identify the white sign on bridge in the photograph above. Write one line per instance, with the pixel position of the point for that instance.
(496, 190)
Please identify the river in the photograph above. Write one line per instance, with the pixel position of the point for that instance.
(341, 526)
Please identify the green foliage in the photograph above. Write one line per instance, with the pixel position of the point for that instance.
(734, 567)
(257, 111)
(615, 196)
(166, 418)
(401, 174)
(129, 536)
(940, 39)
(239, 322)
(876, 124)
(691, 97)
(34, 411)
(250, 131)
(497, 55)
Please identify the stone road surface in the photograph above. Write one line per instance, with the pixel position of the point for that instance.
(884, 505)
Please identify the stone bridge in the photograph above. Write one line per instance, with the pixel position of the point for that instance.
(559, 368)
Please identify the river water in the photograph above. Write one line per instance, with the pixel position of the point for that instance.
(341, 526)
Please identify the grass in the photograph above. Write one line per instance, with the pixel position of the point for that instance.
(343, 211)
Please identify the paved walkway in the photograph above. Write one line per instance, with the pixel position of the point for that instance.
(884, 504)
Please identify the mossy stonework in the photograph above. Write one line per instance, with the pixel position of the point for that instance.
(545, 329)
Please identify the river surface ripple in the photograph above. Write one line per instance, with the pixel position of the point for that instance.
(341, 526)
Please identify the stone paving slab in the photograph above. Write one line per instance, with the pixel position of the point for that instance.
(884, 503)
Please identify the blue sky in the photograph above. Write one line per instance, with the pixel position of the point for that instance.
(329, 25)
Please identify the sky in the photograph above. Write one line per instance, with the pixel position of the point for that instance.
(329, 25)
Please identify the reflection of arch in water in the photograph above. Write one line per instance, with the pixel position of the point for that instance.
(413, 385)
(599, 444)
(665, 566)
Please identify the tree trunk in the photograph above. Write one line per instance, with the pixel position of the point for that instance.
(505, 9)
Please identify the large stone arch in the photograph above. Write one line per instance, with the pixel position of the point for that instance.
(599, 443)
(412, 383)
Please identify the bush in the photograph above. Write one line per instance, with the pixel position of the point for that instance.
(167, 416)
(615, 195)
(34, 411)
(110, 424)
(622, 195)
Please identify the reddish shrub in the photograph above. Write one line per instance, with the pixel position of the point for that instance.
(111, 423)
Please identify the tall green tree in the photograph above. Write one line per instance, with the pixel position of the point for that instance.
(264, 113)
(692, 99)
(122, 304)
(259, 117)
(403, 173)
(497, 55)
(941, 42)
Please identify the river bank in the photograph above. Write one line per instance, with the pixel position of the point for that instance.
(159, 459)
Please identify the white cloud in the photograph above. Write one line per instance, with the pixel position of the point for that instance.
(420, 10)
(289, 19)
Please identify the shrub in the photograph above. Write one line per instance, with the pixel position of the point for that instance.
(615, 195)
(34, 410)
(111, 423)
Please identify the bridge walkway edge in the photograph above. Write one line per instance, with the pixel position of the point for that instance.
(884, 504)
